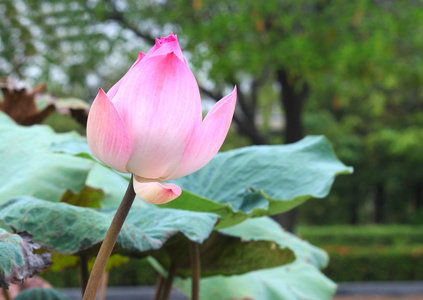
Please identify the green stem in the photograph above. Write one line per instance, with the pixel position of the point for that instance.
(194, 251)
(169, 282)
(108, 243)
(83, 272)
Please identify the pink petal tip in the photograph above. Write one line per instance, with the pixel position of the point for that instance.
(155, 191)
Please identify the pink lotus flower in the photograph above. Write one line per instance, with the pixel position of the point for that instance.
(150, 123)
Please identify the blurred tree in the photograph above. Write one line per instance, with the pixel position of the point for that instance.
(353, 54)
(349, 69)
(62, 42)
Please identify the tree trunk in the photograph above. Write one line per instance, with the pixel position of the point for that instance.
(248, 128)
(379, 202)
(354, 206)
(292, 99)
(418, 195)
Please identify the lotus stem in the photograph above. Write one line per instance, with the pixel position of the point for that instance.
(109, 242)
(194, 250)
(83, 272)
(169, 282)
(159, 287)
(103, 286)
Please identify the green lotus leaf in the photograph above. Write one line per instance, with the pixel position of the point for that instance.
(30, 168)
(261, 180)
(70, 229)
(296, 281)
(252, 181)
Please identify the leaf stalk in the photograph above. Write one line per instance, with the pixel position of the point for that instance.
(83, 272)
(168, 282)
(194, 249)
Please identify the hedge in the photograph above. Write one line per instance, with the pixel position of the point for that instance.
(376, 263)
(371, 235)
(136, 272)
(370, 253)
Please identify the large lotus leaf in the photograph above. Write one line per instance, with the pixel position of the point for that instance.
(69, 229)
(296, 281)
(252, 181)
(73, 147)
(253, 244)
(225, 255)
(261, 180)
(28, 167)
(256, 243)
